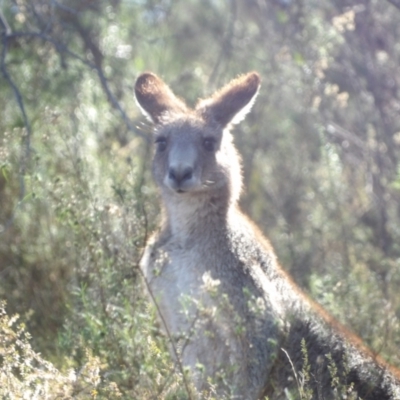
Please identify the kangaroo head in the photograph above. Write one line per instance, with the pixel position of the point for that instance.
(194, 153)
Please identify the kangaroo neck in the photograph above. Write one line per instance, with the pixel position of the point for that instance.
(198, 215)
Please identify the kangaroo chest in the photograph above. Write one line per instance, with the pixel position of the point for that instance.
(218, 308)
(179, 277)
(199, 277)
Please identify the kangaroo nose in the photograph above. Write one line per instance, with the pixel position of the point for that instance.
(180, 175)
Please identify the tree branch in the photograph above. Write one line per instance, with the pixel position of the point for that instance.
(395, 3)
(26, 140)
(62, 48)
(4, 23)
(7, 36)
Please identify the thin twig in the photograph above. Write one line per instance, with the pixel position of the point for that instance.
(4, 23)
(174, 349)
(293, 369)
(64, 7)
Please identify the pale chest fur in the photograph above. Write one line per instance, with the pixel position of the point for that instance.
(177, 276)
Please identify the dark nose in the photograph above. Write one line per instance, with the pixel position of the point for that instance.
(180, 175)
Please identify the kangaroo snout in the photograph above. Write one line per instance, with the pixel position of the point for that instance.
(179, 175)
(180, 172)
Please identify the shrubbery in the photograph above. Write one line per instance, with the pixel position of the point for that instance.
(320, 155)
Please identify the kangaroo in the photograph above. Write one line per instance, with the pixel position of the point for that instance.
(237, 320)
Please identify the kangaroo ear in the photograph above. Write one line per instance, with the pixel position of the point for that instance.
(233, 101)
(155, 98)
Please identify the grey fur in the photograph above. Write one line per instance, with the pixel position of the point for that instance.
(235, 315)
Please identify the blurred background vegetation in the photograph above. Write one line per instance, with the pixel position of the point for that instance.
(321, 159)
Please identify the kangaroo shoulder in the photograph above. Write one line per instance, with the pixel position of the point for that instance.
(249, 242)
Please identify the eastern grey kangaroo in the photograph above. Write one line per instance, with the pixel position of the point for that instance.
(238, 320)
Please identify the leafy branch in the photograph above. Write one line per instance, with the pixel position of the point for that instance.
(10, 37)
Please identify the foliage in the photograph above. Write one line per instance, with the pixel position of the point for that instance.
(320, 156)
(24, 374)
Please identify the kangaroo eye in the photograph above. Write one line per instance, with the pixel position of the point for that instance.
(209, 144)
(161, 143)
